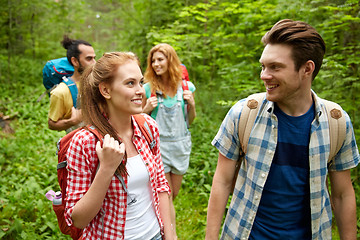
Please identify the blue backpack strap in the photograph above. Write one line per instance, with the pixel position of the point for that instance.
(73, 89)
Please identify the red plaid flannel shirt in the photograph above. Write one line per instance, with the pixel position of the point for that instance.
(82, 160)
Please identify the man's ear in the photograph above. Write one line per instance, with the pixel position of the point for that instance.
(75, 62)
(309, 68)
(104, 90)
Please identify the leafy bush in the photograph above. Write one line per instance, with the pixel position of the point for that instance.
(219, 42)
(27, 159)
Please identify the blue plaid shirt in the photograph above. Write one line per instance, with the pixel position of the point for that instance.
(260, 152)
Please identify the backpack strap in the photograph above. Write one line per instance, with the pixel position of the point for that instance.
(337, 132)
(146, 131)
(337, 127)
(247, 118)
(94, 131)
(337, 123)
(73, 89)
(185, 74)
(246, 123)
(99, 137)
(153, 94)
(185, 86)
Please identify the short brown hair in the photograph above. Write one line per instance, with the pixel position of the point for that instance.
(306, 42)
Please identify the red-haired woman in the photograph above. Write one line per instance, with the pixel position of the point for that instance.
(107, 207)
(173, 109)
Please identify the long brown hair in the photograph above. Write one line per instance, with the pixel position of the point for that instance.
(93, 104)
(174, 68)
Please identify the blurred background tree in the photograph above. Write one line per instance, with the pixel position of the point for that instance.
(218, 41)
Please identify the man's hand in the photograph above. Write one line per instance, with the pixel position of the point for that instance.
(76, 116)
(63, 124)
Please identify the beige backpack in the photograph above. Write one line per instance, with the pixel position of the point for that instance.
(337, 125)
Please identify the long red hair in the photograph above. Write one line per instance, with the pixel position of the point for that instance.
(93, 104)
(174, 69)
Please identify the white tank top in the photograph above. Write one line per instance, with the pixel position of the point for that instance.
(141, 221)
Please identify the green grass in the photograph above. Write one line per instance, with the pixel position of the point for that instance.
(191, 215)
(28, 171)
(28, 165)
(28, 162)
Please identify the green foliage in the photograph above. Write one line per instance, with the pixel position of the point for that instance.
(220, 43)
(191, 215)
(27, 161)
(340, 27)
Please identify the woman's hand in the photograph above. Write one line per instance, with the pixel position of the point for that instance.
(151, 103)
(110, 154)
(189, 97)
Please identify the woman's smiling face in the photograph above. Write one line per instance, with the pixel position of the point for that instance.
(126, 92)
(159, 63)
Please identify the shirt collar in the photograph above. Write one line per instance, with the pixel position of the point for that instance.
(318, 109)
(137, 132)
(269, 106)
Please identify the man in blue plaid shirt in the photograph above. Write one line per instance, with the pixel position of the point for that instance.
(281, 190)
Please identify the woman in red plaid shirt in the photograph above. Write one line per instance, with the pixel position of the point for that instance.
(129, 196)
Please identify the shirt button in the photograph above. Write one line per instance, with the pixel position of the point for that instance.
(263, 175)
(147, 164)
(256, 197)
(140, 150)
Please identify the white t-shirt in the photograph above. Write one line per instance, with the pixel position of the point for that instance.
(141, 221)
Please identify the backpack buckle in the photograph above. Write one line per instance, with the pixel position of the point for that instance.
(152, 144)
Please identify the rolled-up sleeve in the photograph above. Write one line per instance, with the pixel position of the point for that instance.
(227, 139)
(81, 158)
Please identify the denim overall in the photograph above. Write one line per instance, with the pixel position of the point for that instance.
(175, 138)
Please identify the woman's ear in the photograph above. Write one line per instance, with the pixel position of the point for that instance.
(104, 90)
